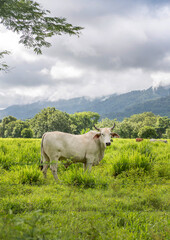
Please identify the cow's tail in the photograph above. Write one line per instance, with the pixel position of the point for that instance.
(42, 151)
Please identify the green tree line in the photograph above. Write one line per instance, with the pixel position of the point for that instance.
(49, 119)
(145, 125)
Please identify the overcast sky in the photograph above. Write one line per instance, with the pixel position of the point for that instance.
(125, 45)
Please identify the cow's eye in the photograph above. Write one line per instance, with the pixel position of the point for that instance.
(102, 134)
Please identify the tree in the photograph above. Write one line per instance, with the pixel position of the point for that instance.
(147, 132)
(35, 24)
(8, 119)
(13, 128)
(162, 124)
(106, 122)
(59, 121)
(3, 126)
(18, 127)
(50, 119)
(84, 120)
(168, 133)
(126, 129)
(27, 133)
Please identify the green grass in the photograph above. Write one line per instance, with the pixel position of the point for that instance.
(125, 197)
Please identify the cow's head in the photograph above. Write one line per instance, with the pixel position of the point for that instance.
(105, 135)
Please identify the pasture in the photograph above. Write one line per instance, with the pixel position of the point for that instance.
(125, 197)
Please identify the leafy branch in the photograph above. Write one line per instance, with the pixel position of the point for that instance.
(3, 66)
(35, 24)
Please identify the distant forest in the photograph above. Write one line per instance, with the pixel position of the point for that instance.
(146, 125)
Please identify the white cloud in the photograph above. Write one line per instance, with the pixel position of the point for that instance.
(8, 39)
(160, 79)
(62, 70)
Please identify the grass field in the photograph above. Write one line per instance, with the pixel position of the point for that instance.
(125, 197)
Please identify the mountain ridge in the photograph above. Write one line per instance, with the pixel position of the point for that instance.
(108, 106)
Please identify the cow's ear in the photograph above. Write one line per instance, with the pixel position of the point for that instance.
(97, 136)
(115, 135)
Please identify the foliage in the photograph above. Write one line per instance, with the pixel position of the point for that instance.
(146, 125)
(161, 125)
(168, 133)
(8, 119)
(147, 132)
(106, 122)
(84, 120)
(27, 133)
(131, 204)
(50, 119)
(3, 66)
(11, 127)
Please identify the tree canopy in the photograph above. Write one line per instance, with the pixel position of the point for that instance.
(35, 24)
(145, 125)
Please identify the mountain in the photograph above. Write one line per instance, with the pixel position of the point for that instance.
(160, 106)
(112, 106)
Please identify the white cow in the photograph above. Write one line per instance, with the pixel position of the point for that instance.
(87, 148)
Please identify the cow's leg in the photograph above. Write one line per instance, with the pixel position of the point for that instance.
(85, 166)
(89, 166)
(53, 166)
(89, 163)
(46, 161)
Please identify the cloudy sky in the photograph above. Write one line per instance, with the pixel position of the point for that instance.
(125, 45)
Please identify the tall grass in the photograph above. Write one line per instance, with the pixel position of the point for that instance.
(29, 175)
(125, 197)
(77, 177)
(14, 152)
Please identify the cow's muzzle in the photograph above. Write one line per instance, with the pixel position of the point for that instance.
(108, 143)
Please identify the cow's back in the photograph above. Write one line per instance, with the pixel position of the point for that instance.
(67, 145)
